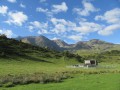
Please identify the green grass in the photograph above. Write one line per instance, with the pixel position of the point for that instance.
(21, 65)
(80, 82)
(85, 81)
(24, 66)
(35, 63)
(27, 66)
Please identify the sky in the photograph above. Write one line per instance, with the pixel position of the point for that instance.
(68, 20)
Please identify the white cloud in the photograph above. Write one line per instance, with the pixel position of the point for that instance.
(42, 1)
(30, 28)
(41, 27)
(22, 5)
(55, 9)
(39, 9)
(79, 31)
(87, 27)
(76, 37)
(3, 9)
(60, 8)
(81, 19)
(59, 28)
(43, 31)
(46, 11)
(0, 31)
(36, 24)
(56, 21)
(55, 38)
(88, 8)
(61, 25)
(12, 1)
(108, 30)
(8, 33)
(112, 16)
(17, 18)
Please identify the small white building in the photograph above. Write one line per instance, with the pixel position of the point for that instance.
(90, 63)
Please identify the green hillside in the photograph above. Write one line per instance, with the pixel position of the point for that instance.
(10, 48)
(111, 56)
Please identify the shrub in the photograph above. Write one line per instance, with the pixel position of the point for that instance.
(9, 84)
(12, 80)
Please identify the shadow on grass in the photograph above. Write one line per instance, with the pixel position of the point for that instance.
(16, 57)
(35, 59)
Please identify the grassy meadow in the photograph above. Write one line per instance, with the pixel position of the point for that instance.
(105, 77)
(79, 82)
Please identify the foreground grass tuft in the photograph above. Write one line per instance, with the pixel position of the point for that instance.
(12, 80)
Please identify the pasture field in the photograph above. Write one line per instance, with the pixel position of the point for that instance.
(27, 66)
(106, 77)
(79, 82)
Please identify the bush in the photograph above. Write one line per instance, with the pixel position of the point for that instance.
(9, 84)
(3, 36)
(12, 80)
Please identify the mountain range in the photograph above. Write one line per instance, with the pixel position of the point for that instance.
(60, 45)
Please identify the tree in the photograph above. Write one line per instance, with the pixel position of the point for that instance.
(3, 36)
(66, 53)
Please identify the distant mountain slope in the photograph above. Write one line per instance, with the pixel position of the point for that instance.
(97, 41)
(41, 41)
(81, 45)
(97, 44)
(60, 45)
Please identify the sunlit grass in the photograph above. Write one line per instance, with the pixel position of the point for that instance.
(80, 82)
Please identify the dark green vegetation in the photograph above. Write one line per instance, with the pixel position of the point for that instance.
(10, 48)
(23, 79)
(112, 56)
(45, 69)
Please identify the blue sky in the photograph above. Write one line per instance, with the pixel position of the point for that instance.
(69, 20)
